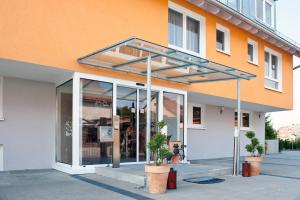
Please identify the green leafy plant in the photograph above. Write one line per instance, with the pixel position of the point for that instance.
(158, 145)
(254, 148)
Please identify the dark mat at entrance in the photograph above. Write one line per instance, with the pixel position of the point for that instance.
(204, 180)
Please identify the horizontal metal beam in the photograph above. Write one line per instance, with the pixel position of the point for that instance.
(186, 61)
(212, 80)
(193, 74)
(133, 61)
(168, 68)
(128, 71)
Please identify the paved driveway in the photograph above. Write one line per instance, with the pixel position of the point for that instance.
(280, 180)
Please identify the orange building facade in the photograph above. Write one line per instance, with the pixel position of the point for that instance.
(41, 41)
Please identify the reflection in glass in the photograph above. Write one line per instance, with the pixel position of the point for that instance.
(174, 115)
(64, 123)
(126, 109)
(143, 119)
(96, 115)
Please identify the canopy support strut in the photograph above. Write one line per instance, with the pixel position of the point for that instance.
(148, 124)
(236, 147)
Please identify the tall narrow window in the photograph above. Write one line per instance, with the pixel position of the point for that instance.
(64, 123)
(272, 69)
(268, 8)
(95, 121)
(193, 31)
(220, 40)
(250, 52)
(175, 28)
(260, 9)
(174, 115)
(248, 8)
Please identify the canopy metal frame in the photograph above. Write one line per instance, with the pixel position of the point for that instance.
(141, 57)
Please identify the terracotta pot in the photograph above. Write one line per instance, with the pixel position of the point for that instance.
(157, 177)
(255, 163)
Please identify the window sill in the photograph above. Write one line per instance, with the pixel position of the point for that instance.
(200, 127)
(223, 52)
(273, 89)
(253, 63)
(245, 128)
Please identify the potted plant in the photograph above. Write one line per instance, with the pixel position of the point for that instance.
(158, 171)
(256, 150)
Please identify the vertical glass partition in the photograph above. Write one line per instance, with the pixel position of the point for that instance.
(96, 109)
(64, 100)
(174, 116)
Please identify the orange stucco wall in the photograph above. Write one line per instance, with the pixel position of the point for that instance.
(56, 33)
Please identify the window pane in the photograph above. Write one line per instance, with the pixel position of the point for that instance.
(96, 116)
(274, 67)
(196, 115)
(220, 40)
(250, 52)
(267, 64)
(174, 115)
(246, 120)
(175, 28)
(193, 36)
(271, 84)
(268, 13)
(64, 123)
(248, 7)
(233, 4)
(260, 9)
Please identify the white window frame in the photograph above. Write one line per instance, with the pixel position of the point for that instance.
(1, 99)
(279, 68)
(202, 32)
(226, 32)
(190, 116)
(255, 51)
(264, 20)
(243, 128)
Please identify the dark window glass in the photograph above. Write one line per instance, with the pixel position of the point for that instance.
(250, 52)
(196, 115)
(220, 40)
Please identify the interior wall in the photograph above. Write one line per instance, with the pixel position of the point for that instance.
(28, 130)
(216, 141)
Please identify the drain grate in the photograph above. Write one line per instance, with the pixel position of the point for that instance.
(204, 180)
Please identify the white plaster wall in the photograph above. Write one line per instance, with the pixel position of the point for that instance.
(216, 141)
(28, 131)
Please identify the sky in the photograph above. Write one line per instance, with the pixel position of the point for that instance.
(288, 23)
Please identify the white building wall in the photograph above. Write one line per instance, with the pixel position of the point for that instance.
(216, 140)
(28, 130)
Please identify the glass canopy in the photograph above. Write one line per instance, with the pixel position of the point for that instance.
(131, 56)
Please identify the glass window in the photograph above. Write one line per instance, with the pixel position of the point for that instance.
(64, 99)
(174, 115)
(196, 115)
(248, 7)
(175, 28)
(245, 119)
(260, 9)
(95, 120)
(193, 36)
(274, 67)
(233, 4)
(250, 52)
(267, 63)
(220, 40)
(268, 13)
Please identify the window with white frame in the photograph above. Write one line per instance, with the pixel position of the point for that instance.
(252, 52)
(1, 99)
(222, 39)
(186, 30)
(273, 73)
(196, 115)
(245, 119)
(265, 11)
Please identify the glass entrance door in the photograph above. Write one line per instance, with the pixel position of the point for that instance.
(133, 114)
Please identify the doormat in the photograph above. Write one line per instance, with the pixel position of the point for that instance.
(204, 180)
